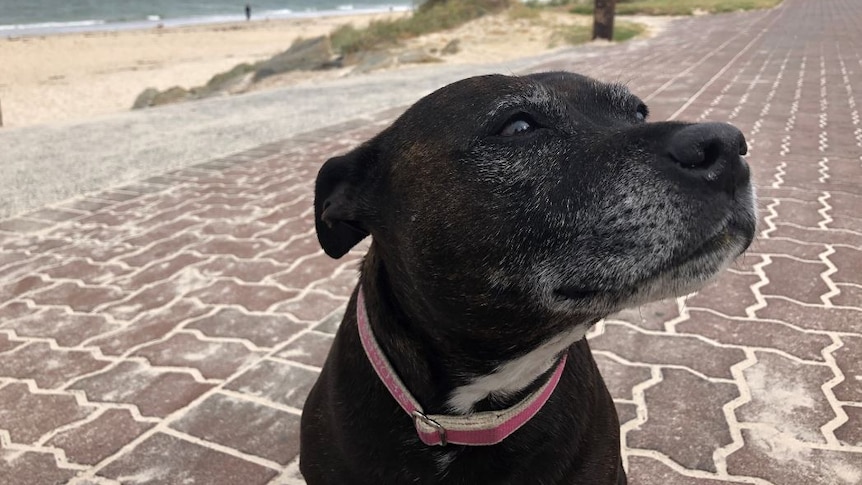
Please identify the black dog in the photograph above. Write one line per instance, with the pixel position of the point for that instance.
(508, 215)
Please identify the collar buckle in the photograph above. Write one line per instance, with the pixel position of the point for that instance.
(420, 418)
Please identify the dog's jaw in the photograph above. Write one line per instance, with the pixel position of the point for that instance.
(676, 277)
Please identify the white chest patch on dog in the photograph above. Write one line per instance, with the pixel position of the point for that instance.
(516, 374)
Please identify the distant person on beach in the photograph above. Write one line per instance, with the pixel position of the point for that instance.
(247, 12)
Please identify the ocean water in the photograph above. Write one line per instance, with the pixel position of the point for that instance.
(37, 17)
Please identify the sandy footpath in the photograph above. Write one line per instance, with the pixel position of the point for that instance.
(70, 77)
(74, 77)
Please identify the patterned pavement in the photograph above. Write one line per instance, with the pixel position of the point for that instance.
(168, 331)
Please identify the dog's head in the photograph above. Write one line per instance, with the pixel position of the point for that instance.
(548, 194)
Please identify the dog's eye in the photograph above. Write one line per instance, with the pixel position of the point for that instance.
(518, 125)
(642, 112)
(516, 128)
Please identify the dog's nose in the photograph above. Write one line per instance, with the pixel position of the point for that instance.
(711, 150)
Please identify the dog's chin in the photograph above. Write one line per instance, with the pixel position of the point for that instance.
(677, 277)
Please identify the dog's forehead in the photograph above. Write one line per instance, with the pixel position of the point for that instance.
(576, 87)
(451, 117)
(475, 94)
(484, 96)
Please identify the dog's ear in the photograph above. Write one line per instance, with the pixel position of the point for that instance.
(342, 196)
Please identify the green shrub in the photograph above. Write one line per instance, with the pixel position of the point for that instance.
(527, 11)
(624, 31)
(432, 16)
(579, 34)
(571, 35)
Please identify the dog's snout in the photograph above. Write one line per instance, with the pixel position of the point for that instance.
(713, 151)
(704, 144)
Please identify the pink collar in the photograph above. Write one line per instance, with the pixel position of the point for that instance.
(476, 429)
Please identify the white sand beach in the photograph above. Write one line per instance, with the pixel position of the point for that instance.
(67, 77)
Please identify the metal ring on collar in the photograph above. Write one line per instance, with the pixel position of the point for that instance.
(441, 431)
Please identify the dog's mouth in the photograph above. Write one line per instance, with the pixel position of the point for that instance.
(721, 241)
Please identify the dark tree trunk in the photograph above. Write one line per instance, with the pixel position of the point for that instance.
(603, 19)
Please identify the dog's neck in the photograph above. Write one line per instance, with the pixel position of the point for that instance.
(450, 373)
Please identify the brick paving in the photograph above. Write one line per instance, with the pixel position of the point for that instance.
(168, 331)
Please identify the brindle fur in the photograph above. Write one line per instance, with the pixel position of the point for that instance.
(485, 247)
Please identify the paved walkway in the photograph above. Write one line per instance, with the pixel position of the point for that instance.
(167, 331)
